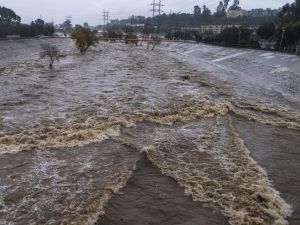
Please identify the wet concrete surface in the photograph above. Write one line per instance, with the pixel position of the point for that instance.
(151, 198)
(277, 150)
(274, 77)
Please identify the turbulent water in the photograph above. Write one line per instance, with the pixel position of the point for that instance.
(71, 137)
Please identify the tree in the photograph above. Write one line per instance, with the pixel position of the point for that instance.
(128, 29)
(290, 22)
(197, 10)
(49, 29)
(131, 38)
(39, 27)
(220, 11)
(86, 25)
(229, 36)
(147, 31)
(232, 35)
(290, 13)
(155, 41)
(50, 51)
(206, 11)
(8, 16)
(297, 9)
(226, 2)
(266, 30)
(235, 5)
(291, 36)
(67, 26)
(113, 33)
(84, 38)
(10, 24)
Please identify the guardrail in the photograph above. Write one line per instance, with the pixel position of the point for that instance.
(147, 40)
(29, 38)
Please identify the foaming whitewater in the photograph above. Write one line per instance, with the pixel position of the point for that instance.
(220, 173)
(97, 129)
(70, 138)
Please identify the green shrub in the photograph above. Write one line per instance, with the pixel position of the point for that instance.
(84, 38)
(131, 39)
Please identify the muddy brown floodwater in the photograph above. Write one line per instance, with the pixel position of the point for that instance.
(124, 135)
(152, 198)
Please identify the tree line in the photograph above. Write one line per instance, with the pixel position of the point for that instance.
(282, 32)
(10, 24)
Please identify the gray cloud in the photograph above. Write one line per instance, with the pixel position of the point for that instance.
(91, 10)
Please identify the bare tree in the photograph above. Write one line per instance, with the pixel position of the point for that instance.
(155, 41)
(50, 51)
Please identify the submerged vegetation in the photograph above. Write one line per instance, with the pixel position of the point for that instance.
(84, 38)
(50, 51)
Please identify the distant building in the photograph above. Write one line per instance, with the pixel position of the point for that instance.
(135, 25)
(252, 13)
(237, 13)
(211, 29)
(263, 12)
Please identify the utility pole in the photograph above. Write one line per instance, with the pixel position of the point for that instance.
(283, 31)
(240, 32)
(105, 18)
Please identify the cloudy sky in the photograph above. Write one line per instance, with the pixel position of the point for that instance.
(91, 10)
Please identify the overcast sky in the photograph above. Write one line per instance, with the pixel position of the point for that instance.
(91, 10)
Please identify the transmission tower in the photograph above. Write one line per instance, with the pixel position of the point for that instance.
(105, 18)
(69, 18)
(154, 9)
(157, 8)
(160, 5)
